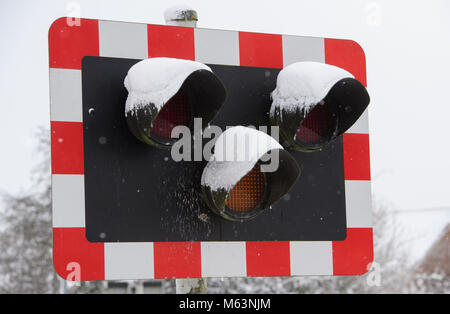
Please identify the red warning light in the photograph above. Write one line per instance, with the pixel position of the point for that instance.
(177, 111)
(318, 126)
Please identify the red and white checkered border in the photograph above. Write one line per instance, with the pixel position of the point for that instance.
(103, 261)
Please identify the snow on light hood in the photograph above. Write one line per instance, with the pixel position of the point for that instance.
(302, 85)
(156, 80)
(236, 152)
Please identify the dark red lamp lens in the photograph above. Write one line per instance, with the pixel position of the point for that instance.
(318, 126)
(177, 111)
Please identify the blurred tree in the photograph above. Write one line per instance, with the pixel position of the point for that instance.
(26, 235)
(432, 273)
(26, 262)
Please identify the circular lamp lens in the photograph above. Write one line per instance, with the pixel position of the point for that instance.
(318, 127)
(248, 193)
(176, 112)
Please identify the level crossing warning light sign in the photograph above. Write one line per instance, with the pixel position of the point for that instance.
(125, 208)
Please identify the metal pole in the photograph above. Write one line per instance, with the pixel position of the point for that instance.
(181, 16)
(191, 286)
(185, 16)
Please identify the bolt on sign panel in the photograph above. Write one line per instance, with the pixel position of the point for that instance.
(124, 210)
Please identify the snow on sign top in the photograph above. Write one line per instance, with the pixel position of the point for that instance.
(177, 12)
(156, 80)
(302, 85)
(236, 152)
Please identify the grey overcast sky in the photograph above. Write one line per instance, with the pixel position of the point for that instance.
(407, 45)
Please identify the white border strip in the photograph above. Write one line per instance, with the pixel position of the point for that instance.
(358, 209)
(311, 258)
(66, 95)
(68, 201)
(129, 261)
(223, 259)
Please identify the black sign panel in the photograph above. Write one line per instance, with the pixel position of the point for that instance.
(137, 193)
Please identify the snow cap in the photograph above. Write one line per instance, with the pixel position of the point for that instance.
(156, 80)
(302, 85)
(180, 13)
(236, 152)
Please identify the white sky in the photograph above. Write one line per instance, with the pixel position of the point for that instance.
(408, 63)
